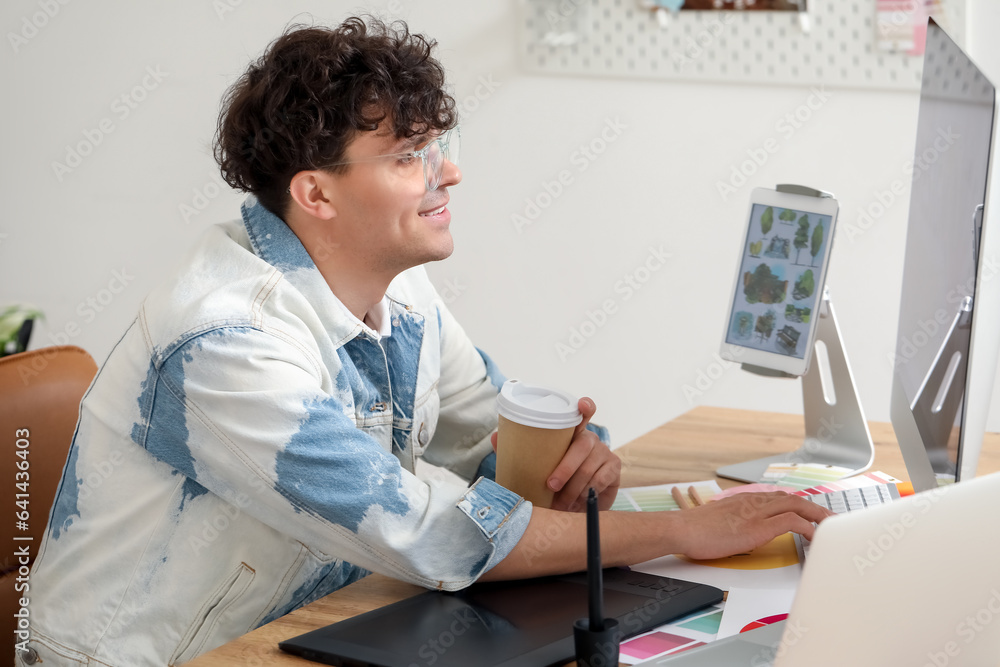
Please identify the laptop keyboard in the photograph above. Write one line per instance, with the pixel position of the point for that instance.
(848, 500)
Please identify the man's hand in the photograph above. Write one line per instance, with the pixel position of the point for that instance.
(588, 462)
(555, 542)
(743, 522)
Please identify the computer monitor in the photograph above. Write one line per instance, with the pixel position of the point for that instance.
(949, 317)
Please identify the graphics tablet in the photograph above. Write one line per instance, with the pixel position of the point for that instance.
(779, 283)
(525, 623)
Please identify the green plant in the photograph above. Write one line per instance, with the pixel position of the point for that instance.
(762, 286)
(766, 220)
(804, 285)
(817, 240)
(801, 237)
(12, 319)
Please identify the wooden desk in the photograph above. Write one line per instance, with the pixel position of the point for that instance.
(688, 448)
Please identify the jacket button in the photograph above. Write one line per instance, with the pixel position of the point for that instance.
(422, 437)
(29, 656)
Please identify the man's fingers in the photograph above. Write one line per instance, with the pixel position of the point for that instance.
(579, 448)
(587, 408)
(599, 472)
(776, 502)
(575, 456)
(800, 506)
(789, 522)
(746, 521)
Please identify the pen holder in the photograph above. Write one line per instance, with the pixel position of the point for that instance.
(596, 648)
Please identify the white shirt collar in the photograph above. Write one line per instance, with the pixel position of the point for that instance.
(377, 319)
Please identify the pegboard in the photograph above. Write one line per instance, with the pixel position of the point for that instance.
(618, 38)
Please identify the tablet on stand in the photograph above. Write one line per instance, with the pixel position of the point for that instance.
(780, 310)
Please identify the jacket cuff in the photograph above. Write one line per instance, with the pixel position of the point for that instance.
(501, 515)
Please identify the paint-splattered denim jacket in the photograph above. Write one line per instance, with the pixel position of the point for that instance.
(249, 446)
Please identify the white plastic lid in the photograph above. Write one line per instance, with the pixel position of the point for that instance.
(537, 406)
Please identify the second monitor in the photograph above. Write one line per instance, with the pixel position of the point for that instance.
(948, 335)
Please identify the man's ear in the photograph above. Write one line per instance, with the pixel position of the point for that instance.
(313, 192)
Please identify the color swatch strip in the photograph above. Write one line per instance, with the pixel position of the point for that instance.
(777, 618)
(802, 475)
(858, 482)
(693, 630)
(659, 498)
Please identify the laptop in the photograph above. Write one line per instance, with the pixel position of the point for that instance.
(913, 582)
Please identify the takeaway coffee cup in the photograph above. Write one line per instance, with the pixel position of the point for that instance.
(535, 428)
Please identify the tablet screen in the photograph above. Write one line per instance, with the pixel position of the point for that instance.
(779, 285)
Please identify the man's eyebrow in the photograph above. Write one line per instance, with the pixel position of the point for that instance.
(387, 134)
(409, 143)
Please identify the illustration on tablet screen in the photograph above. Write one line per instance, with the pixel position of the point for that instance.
(777, 291)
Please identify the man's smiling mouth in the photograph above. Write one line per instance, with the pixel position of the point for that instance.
(435, 211)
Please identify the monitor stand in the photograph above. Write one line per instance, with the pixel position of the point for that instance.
(836, 431)
(929, 420)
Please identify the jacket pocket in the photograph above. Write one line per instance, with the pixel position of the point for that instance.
(228, 593)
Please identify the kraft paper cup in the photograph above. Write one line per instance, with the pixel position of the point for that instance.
(535, 428)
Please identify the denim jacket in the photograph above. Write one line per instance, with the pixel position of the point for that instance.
(249, 446)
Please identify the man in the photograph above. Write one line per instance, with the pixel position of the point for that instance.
(250, 443)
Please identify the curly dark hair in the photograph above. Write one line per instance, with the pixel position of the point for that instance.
(314, 89)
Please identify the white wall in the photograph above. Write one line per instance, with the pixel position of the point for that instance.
(109, 229)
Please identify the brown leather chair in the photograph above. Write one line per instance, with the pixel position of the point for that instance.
(40, 392)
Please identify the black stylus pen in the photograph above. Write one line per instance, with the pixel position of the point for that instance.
(595, 578)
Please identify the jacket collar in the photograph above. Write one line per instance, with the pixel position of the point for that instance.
(275, 243)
